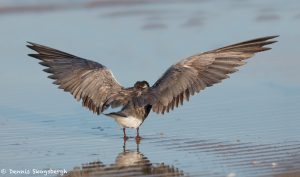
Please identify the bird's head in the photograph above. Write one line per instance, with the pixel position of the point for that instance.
(141, 85)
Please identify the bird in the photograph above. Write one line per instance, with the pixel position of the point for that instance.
(127, 163)
(96, 87)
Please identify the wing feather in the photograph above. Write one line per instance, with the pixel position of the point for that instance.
(195, 73)
(86, 80)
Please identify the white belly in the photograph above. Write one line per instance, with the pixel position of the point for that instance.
(129, 122)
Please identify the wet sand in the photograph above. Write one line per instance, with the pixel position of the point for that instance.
(246, 126)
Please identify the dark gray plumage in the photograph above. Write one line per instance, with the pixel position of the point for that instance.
(96, 86)
(195, 73)
(86, 80)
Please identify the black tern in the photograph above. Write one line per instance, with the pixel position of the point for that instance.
(97, 88)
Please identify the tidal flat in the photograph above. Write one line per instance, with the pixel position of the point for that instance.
(246, 126)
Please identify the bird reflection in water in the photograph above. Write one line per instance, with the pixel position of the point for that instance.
(127, 163)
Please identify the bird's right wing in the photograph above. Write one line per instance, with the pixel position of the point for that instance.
(86, 80)
(195, 73)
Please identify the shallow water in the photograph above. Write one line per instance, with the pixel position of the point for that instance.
(246, 126)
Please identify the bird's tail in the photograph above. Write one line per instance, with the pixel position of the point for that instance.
(116, 115)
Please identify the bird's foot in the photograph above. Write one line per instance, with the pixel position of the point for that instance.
(138, 139)
(125, 138)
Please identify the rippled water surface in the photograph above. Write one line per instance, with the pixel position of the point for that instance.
(246, 126)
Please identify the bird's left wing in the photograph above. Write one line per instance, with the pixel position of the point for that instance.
(86, 80)
(195, 73)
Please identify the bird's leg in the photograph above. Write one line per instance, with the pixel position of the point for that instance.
(137, 138)
(124, 145)
(137, 146)
(124, 132)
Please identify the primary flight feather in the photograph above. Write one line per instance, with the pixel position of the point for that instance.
(96, 87)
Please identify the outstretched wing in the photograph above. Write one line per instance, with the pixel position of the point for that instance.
(86, 80)
(195, 73)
